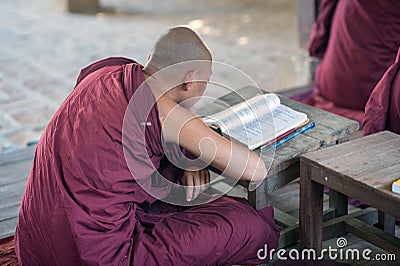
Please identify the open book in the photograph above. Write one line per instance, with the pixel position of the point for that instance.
(257, 121)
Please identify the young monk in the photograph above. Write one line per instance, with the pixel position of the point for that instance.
(357, 41)
(382, 111)
(83, 203)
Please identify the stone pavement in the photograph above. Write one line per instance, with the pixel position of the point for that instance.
(43, 47)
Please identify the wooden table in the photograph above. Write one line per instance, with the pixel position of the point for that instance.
(330, 130)
(363, 169)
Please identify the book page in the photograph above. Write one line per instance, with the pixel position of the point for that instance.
(244, 112)
(252, 132)
(258, 120)
(286, 118)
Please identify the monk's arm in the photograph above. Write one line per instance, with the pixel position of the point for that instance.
(234, 159)
(187, 130)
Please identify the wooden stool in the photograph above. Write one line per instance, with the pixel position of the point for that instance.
(363, 169)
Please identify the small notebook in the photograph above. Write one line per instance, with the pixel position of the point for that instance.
(257, 121)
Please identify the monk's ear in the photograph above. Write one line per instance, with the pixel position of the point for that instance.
(190, 76)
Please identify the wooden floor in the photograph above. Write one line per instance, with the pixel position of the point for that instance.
(287, 200)
(14, 170)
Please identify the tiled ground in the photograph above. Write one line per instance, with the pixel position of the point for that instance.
(43, 47)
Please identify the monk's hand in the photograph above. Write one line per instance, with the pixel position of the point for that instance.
(195, 182)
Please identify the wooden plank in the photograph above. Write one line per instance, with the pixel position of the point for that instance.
(257, 198)
(11, 200)
(284, 219)
(386, 222)
(290, 235)
(351, 147)
(336, 226)
(16, 188)
(14, 172)
(338, 201)
(364, 170)
(284, 177)
(371, 166)
(7, 227)
(381, 200)
(332, 128)
(285, 193)
(291, 205)
(9, 211)
(329, 214)
(252, 198)
(382, 179)
(288, 154)
(311, 196)
(293, 209)
(16, 156)
(373, 235)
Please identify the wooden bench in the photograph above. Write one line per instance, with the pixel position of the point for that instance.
(363, 169)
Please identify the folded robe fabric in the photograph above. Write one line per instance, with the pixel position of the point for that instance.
(82, 204)
(357, 41)
(382, 111)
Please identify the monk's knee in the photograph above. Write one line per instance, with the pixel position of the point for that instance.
(259, 232)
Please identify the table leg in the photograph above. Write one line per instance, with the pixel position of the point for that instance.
(339, 202)
(386, 222)
(311, 200)
(258, 198)
(252, 198)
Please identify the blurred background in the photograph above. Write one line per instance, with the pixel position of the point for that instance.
(44, 46)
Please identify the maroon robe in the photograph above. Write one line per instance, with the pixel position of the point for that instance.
(82, 205)
(382, 111)
(357, 41)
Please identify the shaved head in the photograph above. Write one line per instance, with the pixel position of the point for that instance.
(177, 45)
(179, 66)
